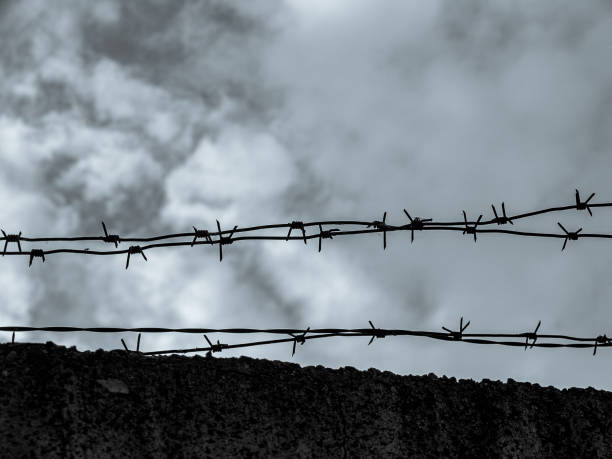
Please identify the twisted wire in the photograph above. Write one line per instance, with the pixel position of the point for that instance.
(302, 335)
(224, 237)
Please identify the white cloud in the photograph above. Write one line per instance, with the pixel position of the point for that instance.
(249, 114)
(106, 12)
(110, 171)
(15, 291)
(239, 176)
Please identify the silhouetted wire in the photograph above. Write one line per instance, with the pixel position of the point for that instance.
(227, 236)
(300, 336)
(444, 338)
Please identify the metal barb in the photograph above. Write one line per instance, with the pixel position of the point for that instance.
(201, 233)
(216, 347)
(300, 336)
(224, 240)
(601, 339)
(416, 224)
(584, 205)
(504, 218)
(382, 225)
(457, 335)
(327, 234)
(11, 238)
(470, 229)
(532, 336)
(569, 235)
(376, 333)
(298, 339)
(112, 238)
(36, 253)
(297, 225)
(132, 250)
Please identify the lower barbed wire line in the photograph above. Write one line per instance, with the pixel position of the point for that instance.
(522, 344)
(445, 337)
(300, 336)
(368, 332)
(249, 344)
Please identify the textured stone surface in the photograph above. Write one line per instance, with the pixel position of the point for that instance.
(57, 402)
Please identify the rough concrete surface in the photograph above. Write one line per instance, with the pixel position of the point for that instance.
(58, 402)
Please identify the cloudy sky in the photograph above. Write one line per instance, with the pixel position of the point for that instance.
(156, 116)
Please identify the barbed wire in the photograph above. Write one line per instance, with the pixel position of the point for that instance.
(300, 336)
(225, 237)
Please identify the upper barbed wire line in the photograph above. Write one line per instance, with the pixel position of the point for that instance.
(496, 220)
(311, 236)
(191, 234)
(390, 227)
(222, 238)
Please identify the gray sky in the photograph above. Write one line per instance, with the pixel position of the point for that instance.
(158, 116)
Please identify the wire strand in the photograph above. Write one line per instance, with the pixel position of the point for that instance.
(223, 237)
(300, 335)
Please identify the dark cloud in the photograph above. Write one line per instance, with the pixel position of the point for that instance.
(121, 97)
(155, 118)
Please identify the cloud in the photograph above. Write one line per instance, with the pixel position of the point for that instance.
(241, 173)
(159, 118)
(107, 105)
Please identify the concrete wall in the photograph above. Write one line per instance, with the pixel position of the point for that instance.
(57, 402)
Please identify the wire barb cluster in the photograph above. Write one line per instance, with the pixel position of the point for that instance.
(416, 224)
(11, 238)
(299, 225)
(471, 229)
(301, 338)
(569, 235)
(601, 339)
(215, 347)
(457, 335)
(133, 250)
(110, 238)
(36, 253)
(224, 240)
(201, 234)
(226, 237)
(532, 336)
(381, 225)
(504, 218)
(377, 333)
(580, 205)
(326, 234)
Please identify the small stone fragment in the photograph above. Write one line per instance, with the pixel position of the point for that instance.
(116, 386)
